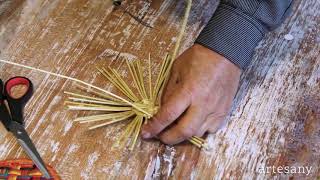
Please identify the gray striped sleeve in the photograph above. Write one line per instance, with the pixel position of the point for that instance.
(238, 25)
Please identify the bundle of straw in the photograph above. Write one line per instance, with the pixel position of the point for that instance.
(142, 106)
(147, 99)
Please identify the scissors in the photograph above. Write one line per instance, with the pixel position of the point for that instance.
(11, 116)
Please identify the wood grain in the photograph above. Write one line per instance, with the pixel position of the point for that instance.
(274, 120)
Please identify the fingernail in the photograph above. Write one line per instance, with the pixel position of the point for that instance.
(145, 135)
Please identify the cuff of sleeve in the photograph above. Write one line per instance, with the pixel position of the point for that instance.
(233, 34)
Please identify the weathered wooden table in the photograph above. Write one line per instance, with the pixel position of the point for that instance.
(275, 119)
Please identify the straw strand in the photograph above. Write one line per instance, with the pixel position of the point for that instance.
(76, 80)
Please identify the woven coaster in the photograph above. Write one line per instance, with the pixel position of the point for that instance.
(23, 169)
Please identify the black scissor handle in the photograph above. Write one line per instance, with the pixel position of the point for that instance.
(4, 113)
(1, 91)
(16, 104)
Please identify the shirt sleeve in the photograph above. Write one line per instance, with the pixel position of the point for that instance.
(237, 26)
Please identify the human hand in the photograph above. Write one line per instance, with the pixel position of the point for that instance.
(197, 98)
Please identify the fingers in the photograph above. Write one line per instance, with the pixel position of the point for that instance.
(188, 126)
(176, 104)
(202, 130)
(192, 124)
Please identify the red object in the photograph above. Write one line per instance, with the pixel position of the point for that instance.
(17, 81)
(23, 169)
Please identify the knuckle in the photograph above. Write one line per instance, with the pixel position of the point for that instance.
(188, 92)
(169, 114)
(201, 133)
(204, 85)
(159, 123)
(187, 132)
(165, 140)
(212, 130)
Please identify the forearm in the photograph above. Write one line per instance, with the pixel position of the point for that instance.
(238, 25)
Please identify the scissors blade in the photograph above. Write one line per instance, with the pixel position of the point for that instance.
(26, 143)
(4, 114)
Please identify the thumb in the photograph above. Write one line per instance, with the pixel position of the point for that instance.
(171, 109)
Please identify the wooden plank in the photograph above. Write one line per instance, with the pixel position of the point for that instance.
(275, 118)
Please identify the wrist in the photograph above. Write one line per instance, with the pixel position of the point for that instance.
(219, 60)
